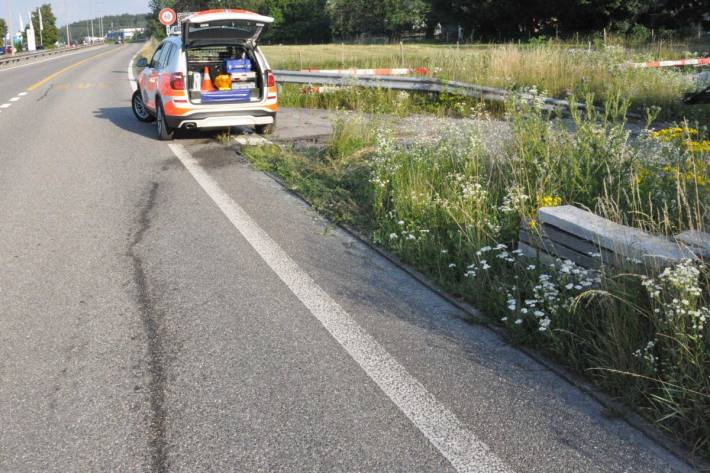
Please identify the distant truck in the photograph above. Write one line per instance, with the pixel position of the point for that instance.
(116, 36)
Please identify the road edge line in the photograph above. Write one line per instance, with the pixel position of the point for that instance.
(472, 315)
(464, 451)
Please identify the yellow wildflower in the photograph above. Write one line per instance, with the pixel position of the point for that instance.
(698, 146)
(671, 134)
(550, 201)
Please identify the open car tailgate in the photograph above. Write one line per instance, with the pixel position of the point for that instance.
(223, 27)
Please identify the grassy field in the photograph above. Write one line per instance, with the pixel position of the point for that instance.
(555, 69)
(453, 209)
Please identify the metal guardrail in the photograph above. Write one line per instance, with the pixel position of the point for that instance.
(415, 84)
(18, 58)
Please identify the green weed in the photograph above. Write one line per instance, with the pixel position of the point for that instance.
(555, 68)
(453, 209)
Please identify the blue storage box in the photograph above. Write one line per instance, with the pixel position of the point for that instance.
(227, 96)
(237, 65)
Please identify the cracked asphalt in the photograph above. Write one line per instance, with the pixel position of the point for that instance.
(145, 328)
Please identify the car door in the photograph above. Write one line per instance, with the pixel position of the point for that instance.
(152, 75)
(165, 67)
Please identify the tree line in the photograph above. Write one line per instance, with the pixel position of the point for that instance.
(304, 21)
(82, 29)
(50, 33)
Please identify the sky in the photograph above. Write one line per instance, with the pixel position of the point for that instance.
(75, 9)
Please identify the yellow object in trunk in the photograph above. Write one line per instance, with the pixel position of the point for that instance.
(223, 82)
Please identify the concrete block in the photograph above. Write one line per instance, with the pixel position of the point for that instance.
(699, 242)
(629, 243)
(535, 253)
(556, 249)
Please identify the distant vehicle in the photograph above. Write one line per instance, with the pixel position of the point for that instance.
(211, 76)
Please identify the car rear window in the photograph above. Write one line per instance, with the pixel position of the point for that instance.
(223, 30)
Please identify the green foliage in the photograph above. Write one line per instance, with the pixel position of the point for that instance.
(298, 21)
(294, 20)
(525, 19)
(82, 29)
(389, 17)
(452, 206)
(556, 68)
(50, 34)
(383, 101)
(307, 21)
(334, 178)
(3, 31)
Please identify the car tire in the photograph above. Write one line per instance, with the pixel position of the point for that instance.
(139, 109)
(265, 129)
(165, 133)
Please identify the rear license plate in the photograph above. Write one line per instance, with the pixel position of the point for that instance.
(243, 85)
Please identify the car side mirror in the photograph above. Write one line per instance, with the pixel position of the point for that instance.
(142, 62)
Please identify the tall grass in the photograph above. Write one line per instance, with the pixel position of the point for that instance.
(557, 69)
(389, 102)
(453, 209)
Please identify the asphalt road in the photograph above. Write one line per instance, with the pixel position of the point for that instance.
(166, 308)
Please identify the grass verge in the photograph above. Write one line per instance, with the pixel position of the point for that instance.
(556, 69)
(453, 210)
(390, 102)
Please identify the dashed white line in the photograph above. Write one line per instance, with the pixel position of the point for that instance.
(22, 94)
(445, 431)
(14, 99)
(5, 105)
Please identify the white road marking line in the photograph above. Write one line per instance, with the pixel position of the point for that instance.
(14, 99)
(5, 105)
(22, 94)
(443, 429)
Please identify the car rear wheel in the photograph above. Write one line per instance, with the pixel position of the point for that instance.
(139, 109)
(265, 129)
(165, 133)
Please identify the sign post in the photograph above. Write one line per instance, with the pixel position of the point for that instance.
(41, 27)
(167, 17)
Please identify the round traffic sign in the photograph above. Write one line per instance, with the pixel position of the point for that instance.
(167, 16)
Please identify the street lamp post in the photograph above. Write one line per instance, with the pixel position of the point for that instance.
(41, 26)
(99, 5)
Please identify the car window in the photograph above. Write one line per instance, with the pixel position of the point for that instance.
(165, 57)
(172, 59)
(155, 62)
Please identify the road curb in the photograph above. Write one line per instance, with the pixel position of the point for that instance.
(472, 315)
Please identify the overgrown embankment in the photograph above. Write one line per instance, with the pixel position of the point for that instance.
(452, 207)
(556, 69)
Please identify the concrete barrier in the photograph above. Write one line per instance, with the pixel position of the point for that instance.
(589, 240)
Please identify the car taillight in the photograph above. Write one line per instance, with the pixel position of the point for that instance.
(270, 79)
(177, 81)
